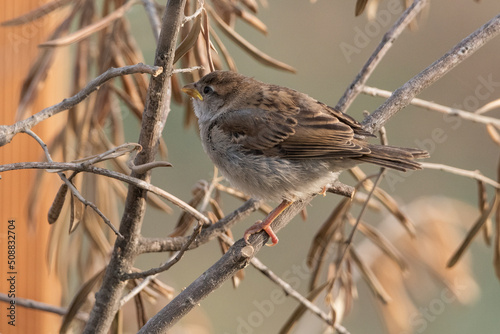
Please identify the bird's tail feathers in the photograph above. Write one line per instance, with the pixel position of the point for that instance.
(399, 158)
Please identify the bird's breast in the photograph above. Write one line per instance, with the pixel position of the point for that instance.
(260, 176)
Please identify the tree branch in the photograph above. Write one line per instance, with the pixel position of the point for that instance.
(153, 16)
(155, 114)
(437, 107)
(150, 245)
(167, 265)
(70, 185)
(7, 132)
(473, 174)
(387, 41)
(287, 287)
(36, 305)
(237, 257)
(403, 95)
(82, 167)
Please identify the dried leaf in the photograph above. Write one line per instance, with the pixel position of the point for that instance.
(79, 300)
(186, 220)
(57, 204)
(370, 277)
(301, 309)
(264, 208)
(208, 44)
(39, 70)
(386, 200)
(472, 233)
(250, 4)
(488, 107)
(117, 324)
(373, 203)
(225, 53)
(496, 250)
(77, 213)
(135, 108)
(189, 41)
(360, 7)
(140, 311)
(483, 206)
(251, 20)
(90, 29)
(225, 10)
(324, 234)
(156, 202)
(36, 13)
(165, 290)
(382, 243)
(176, 89)
(96, 233)
(495, 136)
(248, 47)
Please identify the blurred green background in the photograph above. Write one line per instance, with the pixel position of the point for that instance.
(309, 37)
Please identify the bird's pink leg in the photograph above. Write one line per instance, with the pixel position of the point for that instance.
(266, 223)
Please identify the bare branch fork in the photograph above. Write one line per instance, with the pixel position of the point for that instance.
(240, 254)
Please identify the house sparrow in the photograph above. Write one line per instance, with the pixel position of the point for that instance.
(275, 143)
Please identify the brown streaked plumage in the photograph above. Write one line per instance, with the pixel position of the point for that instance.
(276, 143)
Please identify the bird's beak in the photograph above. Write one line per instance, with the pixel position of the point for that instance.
(190, 90)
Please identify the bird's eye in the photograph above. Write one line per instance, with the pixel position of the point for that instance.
(208, 90)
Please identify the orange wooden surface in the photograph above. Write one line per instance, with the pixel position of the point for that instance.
(34, 280)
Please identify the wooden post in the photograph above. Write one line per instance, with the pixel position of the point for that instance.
(29, 276)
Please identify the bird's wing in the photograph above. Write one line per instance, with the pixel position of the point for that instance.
(317, 131)
(257, 129)
(323, 132)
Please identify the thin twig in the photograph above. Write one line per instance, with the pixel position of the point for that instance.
(387, 41)
(135, 291)
(264, 208)
(72, 187)
(92, 205)
(195, 14)
(236, 258)
(173, 260)
(187, 70)
(437, 107)
(36, 305)
(154, 18)
(7, 132)
(348, 242)
(473, 174)
(81, 167)
(150, 245)
(284, 285)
